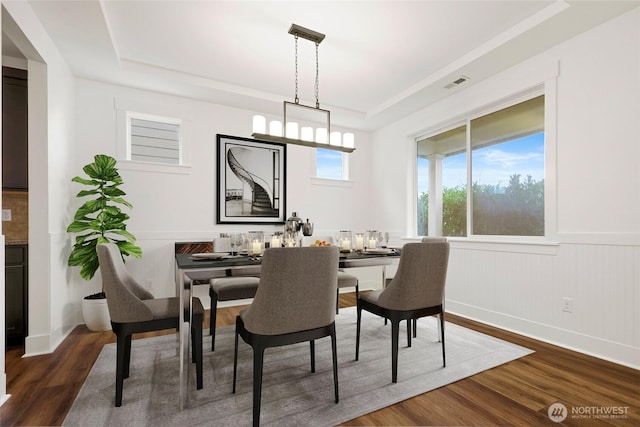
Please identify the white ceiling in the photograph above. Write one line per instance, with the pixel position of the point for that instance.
(380, 60)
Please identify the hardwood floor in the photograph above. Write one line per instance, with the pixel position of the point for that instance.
(518, 393)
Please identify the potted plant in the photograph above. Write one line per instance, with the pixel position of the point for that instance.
(99, 220)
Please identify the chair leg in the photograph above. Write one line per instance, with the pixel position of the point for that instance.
(359, 318)
(235, 359)
(415, 328)
(338, 300)
(258, 359)
(196, 338)
(444, 360)
(121, 350)
(395, 332)
(212, 319)
(127, 356)
(408, 332)
(312, 349)
(335, 362)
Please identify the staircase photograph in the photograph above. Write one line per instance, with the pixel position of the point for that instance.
(252, 181)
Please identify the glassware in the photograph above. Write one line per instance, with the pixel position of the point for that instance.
(345, 240)
(359, 241)
(256, 243)
(372, 239)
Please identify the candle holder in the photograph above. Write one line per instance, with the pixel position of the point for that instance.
(346, 241)
(372, 239)
(256, 243)
(277, 239)
(359, 242)
(290, 239)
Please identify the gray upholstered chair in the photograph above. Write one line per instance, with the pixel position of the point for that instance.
(242, 284)
(133, 309)
(417, 290)
(345, 280)
(389, 279)
(294, 303)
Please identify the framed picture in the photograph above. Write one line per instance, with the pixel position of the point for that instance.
(252, 181)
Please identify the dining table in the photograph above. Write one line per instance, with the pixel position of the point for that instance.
(197, 268)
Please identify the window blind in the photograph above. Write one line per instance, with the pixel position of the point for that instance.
(155, 142)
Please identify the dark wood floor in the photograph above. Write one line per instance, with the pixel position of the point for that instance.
(518, 393)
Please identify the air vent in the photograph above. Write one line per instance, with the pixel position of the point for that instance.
(457, 82)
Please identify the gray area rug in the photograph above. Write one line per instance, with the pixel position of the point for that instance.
(291, 394)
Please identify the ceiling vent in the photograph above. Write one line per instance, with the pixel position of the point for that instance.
(457, 82)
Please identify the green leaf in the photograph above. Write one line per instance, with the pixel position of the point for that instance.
(100, 218)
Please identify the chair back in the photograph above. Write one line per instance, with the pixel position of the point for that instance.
(433, 239)
(123, 293)
(297, 291)
(420, 279)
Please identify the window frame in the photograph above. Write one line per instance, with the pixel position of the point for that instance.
(344, 167)
(549, 90)
(127, 108)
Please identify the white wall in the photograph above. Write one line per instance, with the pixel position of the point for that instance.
(593, 253)
(51, 129)
(180, 206)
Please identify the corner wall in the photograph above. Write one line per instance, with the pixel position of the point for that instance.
(593, 251)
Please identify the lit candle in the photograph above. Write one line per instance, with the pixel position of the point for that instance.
(256, 248)
(275, 242)
(346, 244)
(359, 242)
(372, 243)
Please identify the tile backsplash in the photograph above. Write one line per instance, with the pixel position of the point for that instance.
(16, 230)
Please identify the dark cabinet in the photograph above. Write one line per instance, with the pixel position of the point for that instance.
(16, 284)
(15, 171)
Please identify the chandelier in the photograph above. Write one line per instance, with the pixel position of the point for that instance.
(303, 124)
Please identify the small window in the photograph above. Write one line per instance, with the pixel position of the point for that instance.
(153, 139)
(330, 164)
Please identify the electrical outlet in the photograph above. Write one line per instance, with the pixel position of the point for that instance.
(567, 304)
(6, 214)
(148, 284)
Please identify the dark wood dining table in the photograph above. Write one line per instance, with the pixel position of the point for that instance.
(190, 267)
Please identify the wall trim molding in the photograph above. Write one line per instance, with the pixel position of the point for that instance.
(593, 346)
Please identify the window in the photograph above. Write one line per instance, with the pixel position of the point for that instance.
(153, 139)
(500, 157)
(331, 164)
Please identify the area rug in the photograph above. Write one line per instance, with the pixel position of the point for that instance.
(291, 394)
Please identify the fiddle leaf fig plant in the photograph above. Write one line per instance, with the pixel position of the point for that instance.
(100, 219)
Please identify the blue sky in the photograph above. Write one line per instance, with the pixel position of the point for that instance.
(492, 165)
(329, 163)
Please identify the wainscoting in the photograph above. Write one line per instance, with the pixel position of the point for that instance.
(523, 288)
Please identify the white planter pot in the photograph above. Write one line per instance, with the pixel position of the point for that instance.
(96, 314)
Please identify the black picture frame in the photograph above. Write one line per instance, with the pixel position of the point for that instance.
(251, 181)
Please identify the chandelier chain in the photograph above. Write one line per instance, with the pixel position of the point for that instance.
(317, 78)
(296, 99)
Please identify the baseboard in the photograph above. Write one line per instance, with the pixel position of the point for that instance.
(593, 346)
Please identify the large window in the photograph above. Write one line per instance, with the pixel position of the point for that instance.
(500, 157)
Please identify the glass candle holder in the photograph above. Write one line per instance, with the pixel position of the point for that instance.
(359, 241)
(256, 242)
(276, 240)
(290, 240)
(345, 240)
(372, 239)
